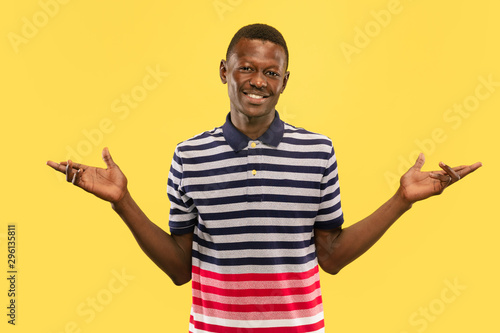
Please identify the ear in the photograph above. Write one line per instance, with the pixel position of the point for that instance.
(223, 71)
(285, 81)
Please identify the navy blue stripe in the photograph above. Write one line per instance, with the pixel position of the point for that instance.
(259, 261)
(329, 210)
(329, 183)
(256, 229)
(306, 142)
(227, 170)
(179, 228)
(331, 168)
(204, 135)
(269, 245)
(202, 146)
(316, 155)
(243, 183)
(175, 200)
(220, 157)
(256, 213)
(262, 166)
(175, 173)
(326, 225)
(267, 197)
(331, 195)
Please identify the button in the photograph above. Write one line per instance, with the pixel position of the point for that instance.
(253, 144)
(254, 172)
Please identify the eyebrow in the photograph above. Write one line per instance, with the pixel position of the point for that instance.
(243, 60)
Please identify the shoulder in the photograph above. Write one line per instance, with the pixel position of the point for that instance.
(301, 137)
(202, 141)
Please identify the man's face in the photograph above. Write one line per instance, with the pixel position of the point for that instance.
(255, 75)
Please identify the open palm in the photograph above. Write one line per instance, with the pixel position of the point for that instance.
(418, 185)
(109, 184)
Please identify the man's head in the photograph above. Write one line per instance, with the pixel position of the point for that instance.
(258, 31)
(255, 71)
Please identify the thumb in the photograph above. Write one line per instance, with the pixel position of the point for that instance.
(106, 156)
(420, 162)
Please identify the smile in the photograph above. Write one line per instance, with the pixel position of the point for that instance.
(255, 96)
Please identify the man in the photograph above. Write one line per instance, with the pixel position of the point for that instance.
(255, 204)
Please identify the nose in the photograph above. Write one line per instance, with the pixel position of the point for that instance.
(258, 80)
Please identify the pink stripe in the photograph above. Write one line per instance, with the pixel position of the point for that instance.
(264, 315)
(274, 298)
(265, 284)
(255, 276)
(257, 307)
(256, 292)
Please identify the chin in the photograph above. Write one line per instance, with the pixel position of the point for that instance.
(257, 112)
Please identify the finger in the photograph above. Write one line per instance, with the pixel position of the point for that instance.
(69, 171)
(465, 170)
(76, 166)
(443, 181)
(76, 177)
(441, 177)
(106, 156)
(419, 163)
(454, 175)
(57, 166)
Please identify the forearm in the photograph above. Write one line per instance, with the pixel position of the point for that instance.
(337, 251)
(161, 247)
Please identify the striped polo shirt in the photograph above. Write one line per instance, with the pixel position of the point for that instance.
(252, 206)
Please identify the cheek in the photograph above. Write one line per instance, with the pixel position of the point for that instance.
(233, 82)
(278, 87)
(233, 87)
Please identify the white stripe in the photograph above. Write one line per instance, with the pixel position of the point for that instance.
(208, 179)
(278, 190)
(257, 253)
(262, 237)
(202, 152)
(259, 323)
(244, 269)
(264, 205)
(239, 161)
(262, 221)
(329, 217)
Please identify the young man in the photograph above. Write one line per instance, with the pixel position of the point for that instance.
(255, 204)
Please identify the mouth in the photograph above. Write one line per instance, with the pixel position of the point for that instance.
(255, 98)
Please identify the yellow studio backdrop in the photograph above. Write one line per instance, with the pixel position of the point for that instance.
(385, 79)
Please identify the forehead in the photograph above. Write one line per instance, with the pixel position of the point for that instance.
(258, 51)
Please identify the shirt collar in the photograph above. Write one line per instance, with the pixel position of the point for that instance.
(239, 141)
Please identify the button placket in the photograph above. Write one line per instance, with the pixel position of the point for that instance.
(254, 168)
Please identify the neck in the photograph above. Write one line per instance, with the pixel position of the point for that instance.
(253, 127)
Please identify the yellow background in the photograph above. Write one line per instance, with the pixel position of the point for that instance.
(376, 104)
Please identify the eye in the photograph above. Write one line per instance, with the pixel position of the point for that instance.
(271, 73)
(245, 69)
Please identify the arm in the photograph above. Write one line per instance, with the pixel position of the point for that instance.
(171, 253)
(337, 248)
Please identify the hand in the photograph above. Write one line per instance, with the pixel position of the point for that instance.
(109, 184)
(416, 185)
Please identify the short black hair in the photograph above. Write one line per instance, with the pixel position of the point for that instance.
(258, 31)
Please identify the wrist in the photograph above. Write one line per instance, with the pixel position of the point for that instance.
(401, 201)
(121, 204)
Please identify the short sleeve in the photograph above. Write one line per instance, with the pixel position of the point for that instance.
(330, 214)
(183, 212)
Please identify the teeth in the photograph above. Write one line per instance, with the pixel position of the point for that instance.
(255, 96)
